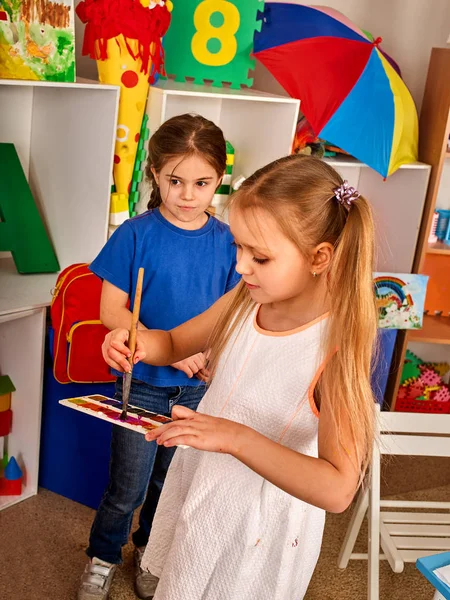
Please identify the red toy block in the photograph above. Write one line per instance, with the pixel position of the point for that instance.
(5, 422)
(10, 487)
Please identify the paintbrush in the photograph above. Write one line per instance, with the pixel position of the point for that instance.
(132, 344)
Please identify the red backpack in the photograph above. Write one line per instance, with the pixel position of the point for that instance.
(78, 331)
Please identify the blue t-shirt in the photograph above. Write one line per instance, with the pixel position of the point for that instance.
(185, 273)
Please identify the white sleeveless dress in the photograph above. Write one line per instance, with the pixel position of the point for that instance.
(221, 531)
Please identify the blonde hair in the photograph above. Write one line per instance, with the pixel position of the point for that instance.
(298, 192)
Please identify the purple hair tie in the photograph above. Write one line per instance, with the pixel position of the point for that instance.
(345, 194)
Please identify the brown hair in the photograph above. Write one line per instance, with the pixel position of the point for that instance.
(183, 136)
(298, 192)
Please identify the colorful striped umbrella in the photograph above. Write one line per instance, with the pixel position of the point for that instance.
(350, 90)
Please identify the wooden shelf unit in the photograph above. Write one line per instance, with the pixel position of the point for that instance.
(438, 248)
(435, 330)
(434, 130)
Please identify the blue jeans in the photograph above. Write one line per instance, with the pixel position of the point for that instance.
(137, 470)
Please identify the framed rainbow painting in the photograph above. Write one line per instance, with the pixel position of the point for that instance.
(400, 300)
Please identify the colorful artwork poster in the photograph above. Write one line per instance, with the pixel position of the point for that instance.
(37, 40)
(400, 300)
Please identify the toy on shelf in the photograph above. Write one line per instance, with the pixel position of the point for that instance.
(139, 166)
(400, 300)
(6, 388)
(221, 196)
(349, 89)
(432, 238)
(22, 231)
(443, 225)
(11, 482)
(422, 388)
(212, 41)
(125, 38)
(37, 40)
(306, 142)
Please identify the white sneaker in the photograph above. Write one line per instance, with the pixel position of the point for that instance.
(96, 580)
(144, 582)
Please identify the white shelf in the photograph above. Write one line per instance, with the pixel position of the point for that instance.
(349, 161)
(20, 293)
(79, 84)
(6, 501)
(64, 134)
(174, 88)
(21, 357)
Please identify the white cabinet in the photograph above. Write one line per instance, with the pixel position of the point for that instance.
(64, 135)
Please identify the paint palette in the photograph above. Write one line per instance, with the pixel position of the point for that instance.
(108, 409)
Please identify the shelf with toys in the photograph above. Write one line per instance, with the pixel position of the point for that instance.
(432, 256)
(63, 135)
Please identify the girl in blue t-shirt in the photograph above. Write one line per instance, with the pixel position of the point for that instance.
(189, 263)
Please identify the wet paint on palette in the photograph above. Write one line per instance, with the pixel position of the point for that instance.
(110, 410)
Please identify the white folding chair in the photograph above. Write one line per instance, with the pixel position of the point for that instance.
(403, 536)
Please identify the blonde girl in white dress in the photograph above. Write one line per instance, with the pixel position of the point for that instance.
(285, 430)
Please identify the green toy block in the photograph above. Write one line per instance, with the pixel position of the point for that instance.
(410, 372)
(138, 174)
(22, 231)
(133, 198)
(6, 385)
(212, 41)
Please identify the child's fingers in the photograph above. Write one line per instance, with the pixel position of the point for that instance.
(183, 440)
(119, 345)
(116, 359)
(204, 375)
(199, 361)
(138, 356)
(176, 431)
(153, 435)
(182, 412)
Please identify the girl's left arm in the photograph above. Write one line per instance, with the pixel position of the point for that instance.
(329, 481)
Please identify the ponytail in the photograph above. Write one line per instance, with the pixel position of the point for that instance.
(346, 381)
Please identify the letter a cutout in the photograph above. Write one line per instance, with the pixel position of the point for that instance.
(22, 231)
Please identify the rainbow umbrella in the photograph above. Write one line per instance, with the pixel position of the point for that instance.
(350, 90)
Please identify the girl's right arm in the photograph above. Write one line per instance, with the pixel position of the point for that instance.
(113, 308)
(161, 348)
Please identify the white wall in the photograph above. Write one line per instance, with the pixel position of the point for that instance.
(86, 67)
(409, 28)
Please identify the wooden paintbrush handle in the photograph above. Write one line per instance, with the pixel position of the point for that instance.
(135, 315)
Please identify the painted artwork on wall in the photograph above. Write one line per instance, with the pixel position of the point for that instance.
(400, 300)
(37, 40)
